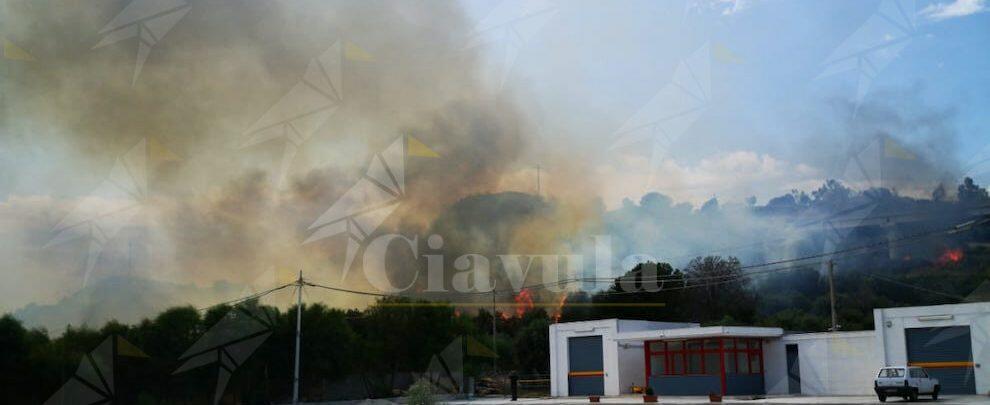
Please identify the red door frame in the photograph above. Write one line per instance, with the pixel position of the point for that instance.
(721, 362)
(721, 351)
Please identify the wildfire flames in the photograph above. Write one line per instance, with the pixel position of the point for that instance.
(524, 302)
(950, 256)
(560, 308)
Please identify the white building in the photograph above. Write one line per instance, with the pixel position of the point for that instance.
(609, 357)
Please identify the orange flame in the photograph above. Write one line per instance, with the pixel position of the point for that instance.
(560, 308)
(524, 302)
(950, 256)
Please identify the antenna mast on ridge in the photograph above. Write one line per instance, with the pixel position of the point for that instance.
(538, 180)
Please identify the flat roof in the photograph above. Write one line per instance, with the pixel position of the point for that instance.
(701, 332)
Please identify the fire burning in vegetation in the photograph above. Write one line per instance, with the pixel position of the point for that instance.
(560, 308)
(950, 256)
(524, 302)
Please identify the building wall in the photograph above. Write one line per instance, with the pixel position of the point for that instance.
(890, 338)
(632, 356)
(559, 363)
(774, 367)
(632, 366)
(624, 364)
(842, 363)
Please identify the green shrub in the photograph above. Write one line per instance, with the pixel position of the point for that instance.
(422, 393)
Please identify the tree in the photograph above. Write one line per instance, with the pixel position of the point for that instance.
(332, 356)
(715, 289)
(939, 194)
(970, 192)
(401, 335)
(832, 193)
(710, 207)
(531, 343)
(14, 360)
(656, 283)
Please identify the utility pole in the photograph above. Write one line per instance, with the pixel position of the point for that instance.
(295, 378)
(831, 296)
(494, 348)
(538, 180)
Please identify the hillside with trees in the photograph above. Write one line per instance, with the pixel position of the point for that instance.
(380, 350)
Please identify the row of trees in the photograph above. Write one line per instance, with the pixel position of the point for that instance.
(373, 352)
(380, 350)
(713, 291)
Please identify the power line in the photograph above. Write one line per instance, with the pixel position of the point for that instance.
(901, 283)
(847, 251)
(247, 298)
(886, 216)
(690, 282)
(349, 291)
(726, 278)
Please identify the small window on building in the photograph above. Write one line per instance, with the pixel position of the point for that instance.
(742, 363)
(658, 364)
(694, 364)
(677, 364)
(706, 356)
(754, 364)
(712, 365)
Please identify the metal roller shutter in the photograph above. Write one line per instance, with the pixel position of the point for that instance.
(946, 353)
(586, 374)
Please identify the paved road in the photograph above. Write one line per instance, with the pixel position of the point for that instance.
(837, 400)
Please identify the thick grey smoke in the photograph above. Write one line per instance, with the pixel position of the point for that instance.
(216, 214)
(214, 210)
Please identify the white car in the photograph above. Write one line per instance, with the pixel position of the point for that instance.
(904, 382)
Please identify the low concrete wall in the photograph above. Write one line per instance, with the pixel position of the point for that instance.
(686, 384)
(744, 384)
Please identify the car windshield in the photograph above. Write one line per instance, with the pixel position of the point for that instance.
(891, 372)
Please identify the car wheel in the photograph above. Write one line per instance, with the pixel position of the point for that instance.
(935, 393)
(882, 398)
(914, 395)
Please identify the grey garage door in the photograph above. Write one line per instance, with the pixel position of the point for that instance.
(947, 354)
(585, 375)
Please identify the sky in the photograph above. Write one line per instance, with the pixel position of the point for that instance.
(175, 144)
(594, 65)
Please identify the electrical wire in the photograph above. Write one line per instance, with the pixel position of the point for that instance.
(886, 216)
(349, 291)
(866, 248)
(246, 298)
(901, 283)
(689, 282)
